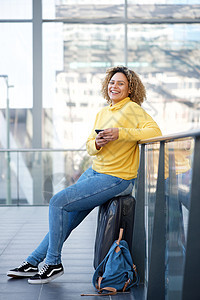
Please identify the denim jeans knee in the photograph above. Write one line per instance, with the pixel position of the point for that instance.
(91, 190)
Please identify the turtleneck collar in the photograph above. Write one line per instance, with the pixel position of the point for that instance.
(119, 104)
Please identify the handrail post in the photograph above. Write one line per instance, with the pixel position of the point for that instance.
(138, 245)
(156, 278)
(190, 289)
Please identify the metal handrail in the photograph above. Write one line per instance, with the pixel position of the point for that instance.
(166, 138)
(171, 137)
(40, 150)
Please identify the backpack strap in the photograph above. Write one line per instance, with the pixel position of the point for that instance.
(126, 284)
(117, 249)
(128, 257)
(120, 236)
(111, 291)
(99, 282)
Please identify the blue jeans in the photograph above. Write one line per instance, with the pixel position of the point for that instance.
(69, 207)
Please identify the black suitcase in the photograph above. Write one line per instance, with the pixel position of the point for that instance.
(114, 214)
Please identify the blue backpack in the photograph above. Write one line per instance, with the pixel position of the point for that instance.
(119, 272)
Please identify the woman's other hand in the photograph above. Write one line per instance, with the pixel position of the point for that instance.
(110, 134)
(106, 136)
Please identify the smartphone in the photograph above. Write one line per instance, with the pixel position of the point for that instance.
(98, 130)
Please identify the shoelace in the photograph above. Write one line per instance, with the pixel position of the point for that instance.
(44, 269)
(23, 264)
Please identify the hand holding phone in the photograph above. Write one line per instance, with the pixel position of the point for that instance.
(98, 130)
(99, 140)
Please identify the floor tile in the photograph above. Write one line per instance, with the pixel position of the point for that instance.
(21, 230)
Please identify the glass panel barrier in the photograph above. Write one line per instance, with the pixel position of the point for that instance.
(178, 161)
(8, 179)
(178, 187)
(152, 158)
(31, 177)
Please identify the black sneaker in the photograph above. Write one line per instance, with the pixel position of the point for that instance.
(47, 274)
(24, 270)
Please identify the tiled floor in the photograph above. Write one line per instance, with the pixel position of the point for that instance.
(21, 229)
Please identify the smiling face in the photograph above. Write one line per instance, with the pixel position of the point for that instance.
(118, 88)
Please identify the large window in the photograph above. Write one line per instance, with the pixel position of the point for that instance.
(83, 9)
(54, 54)
(16, 91)
(168, 58)
(72, 86)
(159, 39)
(15, 9)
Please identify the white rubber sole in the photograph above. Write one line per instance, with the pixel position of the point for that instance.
(14, 274)
(47, 280)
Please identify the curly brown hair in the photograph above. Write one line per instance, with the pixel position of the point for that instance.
(138, 91)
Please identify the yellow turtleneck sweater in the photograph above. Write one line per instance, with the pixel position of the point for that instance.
(120, 158)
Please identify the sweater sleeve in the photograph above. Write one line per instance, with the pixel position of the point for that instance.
(149, 130)
(144, 128)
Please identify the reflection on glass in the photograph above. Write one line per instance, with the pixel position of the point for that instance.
(101, 10)
(159, 2)
(88, 38)
(72, 85)
(83, 9)
(178, 176)
(163, 9)
(167, 56)
(8, 181)
(152, 158)
(75, 58)
(36, 176)
(178, 184)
